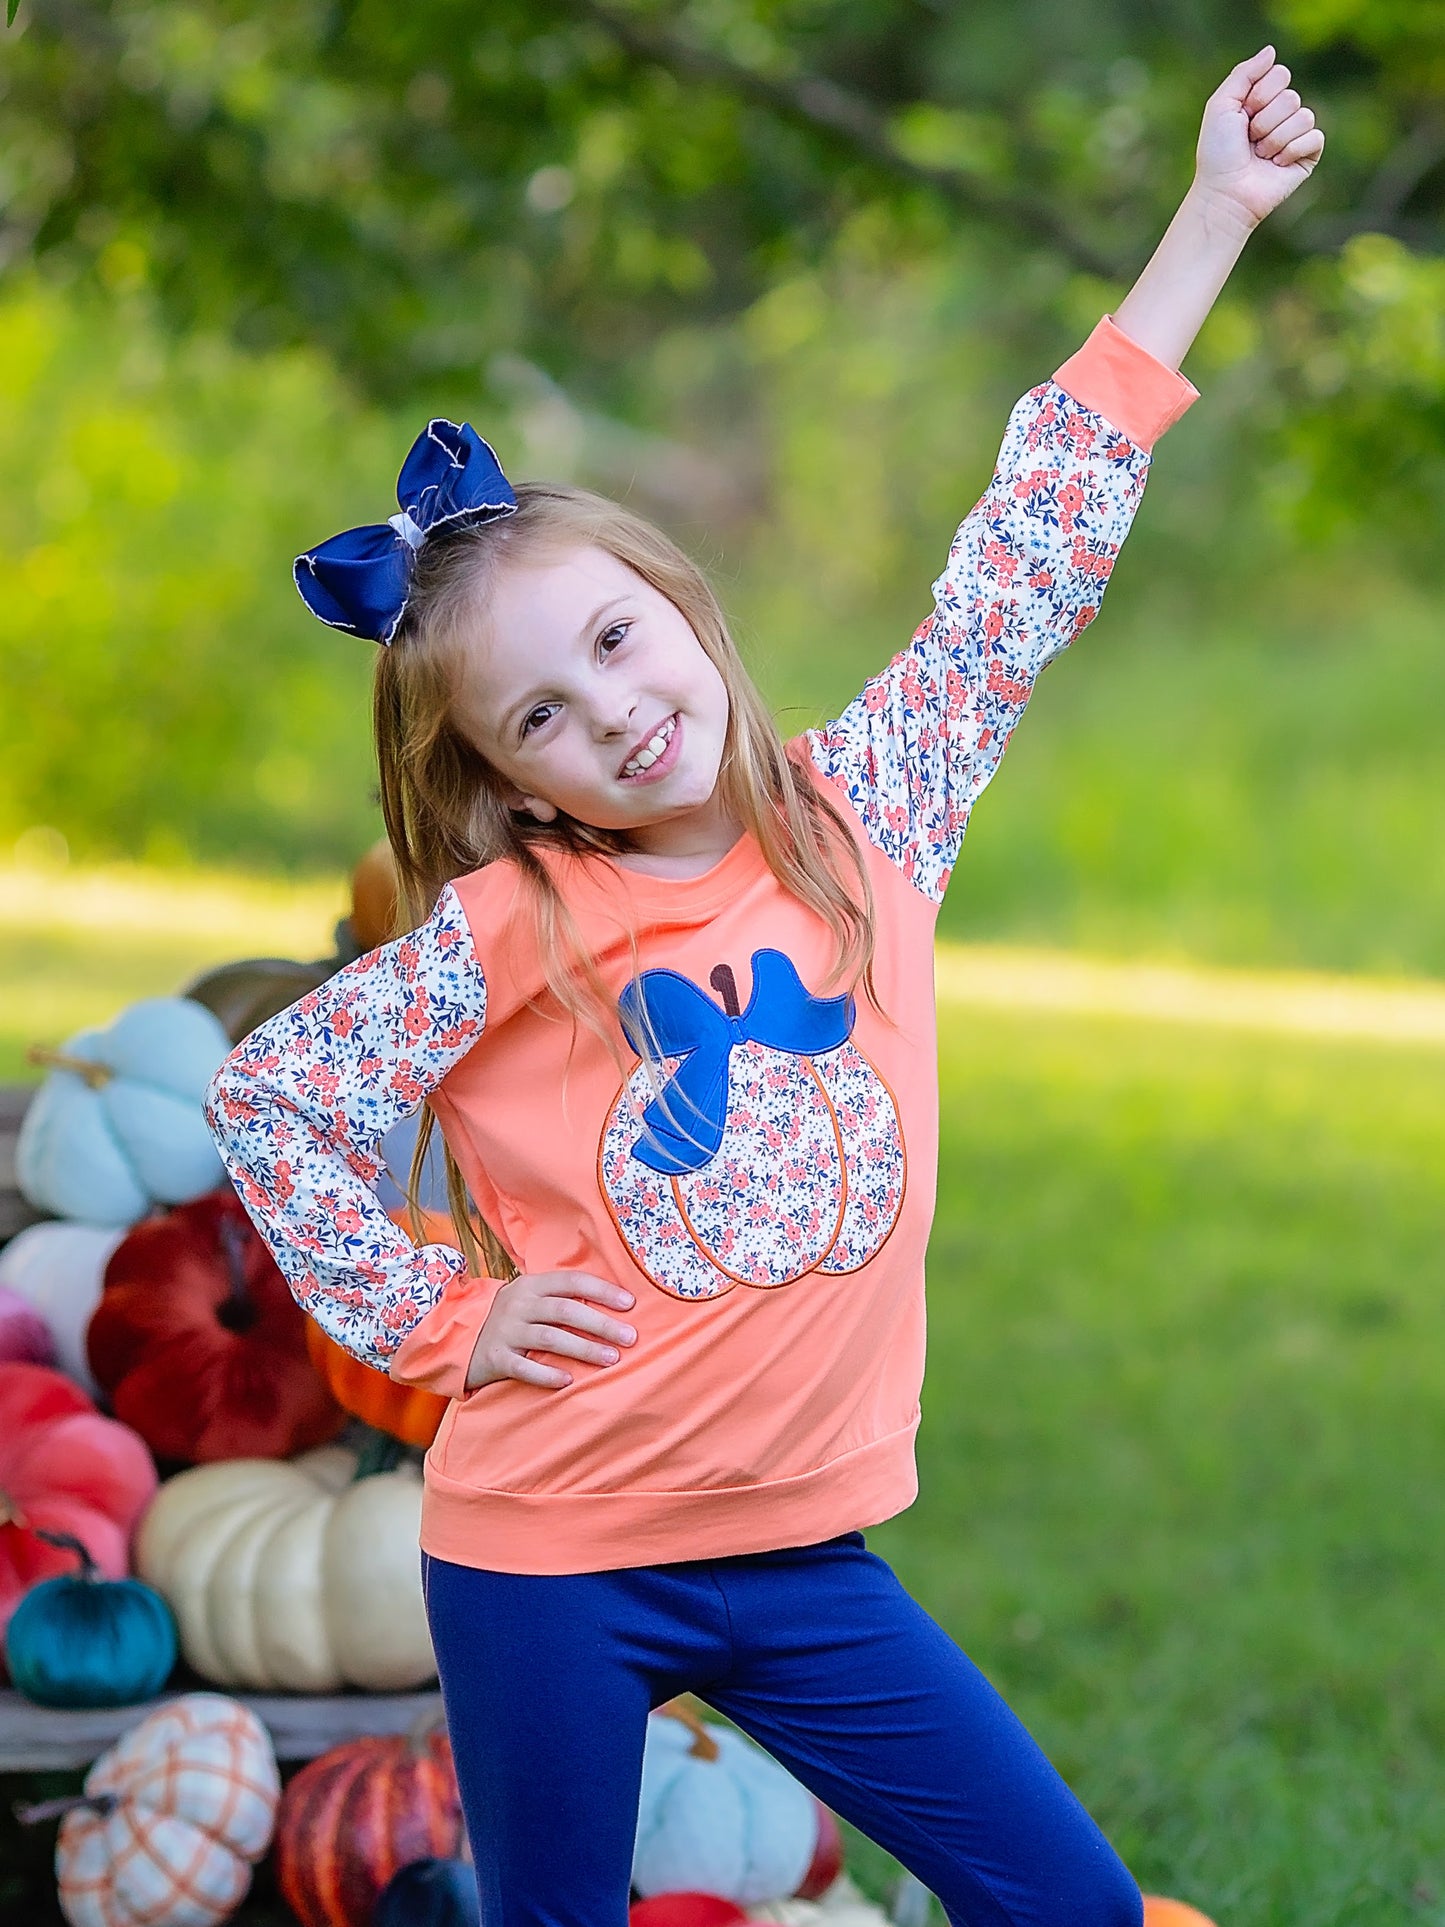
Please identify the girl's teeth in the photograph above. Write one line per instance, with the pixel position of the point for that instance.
(645, 758)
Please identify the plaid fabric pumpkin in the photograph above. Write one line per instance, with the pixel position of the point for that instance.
(177, 1813)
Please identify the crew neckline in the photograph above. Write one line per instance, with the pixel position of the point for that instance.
(688, 893)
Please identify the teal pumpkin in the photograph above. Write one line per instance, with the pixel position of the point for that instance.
(87, 1641)
(118, 1127)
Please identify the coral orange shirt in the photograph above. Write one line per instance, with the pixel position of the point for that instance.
(752, 1156)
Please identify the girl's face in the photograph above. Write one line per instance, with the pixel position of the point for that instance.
(590, 694)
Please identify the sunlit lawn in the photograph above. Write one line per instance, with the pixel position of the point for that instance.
(1184, 1432)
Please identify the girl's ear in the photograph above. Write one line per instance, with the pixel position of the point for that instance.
(537, 807)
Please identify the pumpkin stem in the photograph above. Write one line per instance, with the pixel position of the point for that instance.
(35, 1813)
(726, 986)
(379, 1452)
(239, 1312)
(96, 1075)
(68, 1542)
(704, 1746)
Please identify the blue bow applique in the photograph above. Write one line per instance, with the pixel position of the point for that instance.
(664, 1014)
(360, 580)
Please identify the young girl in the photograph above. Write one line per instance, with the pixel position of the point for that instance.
(671, 1000)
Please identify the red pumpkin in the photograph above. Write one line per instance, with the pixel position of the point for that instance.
(684, 1910)
(65, 1468)
(200, 1344)
(827, 1862)
(352, 1817)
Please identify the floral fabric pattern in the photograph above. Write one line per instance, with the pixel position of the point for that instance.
(808, 1177)
(1025, 575)
(300, 1107)
(873, 1155)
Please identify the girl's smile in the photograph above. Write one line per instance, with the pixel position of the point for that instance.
(657, 756)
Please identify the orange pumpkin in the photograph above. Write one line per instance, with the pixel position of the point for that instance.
(1159, 1912)
(375, 898)
(352, 1817)
(405, 1411)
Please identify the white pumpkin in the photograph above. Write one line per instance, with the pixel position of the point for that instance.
(59, 1270)
(174, 1817)
(293, 1576)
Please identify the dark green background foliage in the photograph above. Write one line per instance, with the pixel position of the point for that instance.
(774, 272)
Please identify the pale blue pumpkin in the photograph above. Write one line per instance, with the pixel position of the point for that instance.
(717, 1815)
(84, 1640)
(117, 1126)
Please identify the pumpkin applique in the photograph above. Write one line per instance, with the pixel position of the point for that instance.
(750, 1146)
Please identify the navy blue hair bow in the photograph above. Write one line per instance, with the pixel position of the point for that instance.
(360, 580)
(664, 1014)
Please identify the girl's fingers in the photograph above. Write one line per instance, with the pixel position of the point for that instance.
(581, 1284)
(562, 1311)
(1306, 147)
(514, 1365)
(1266, 88)
(566, 1344)
(1274, 113)
(1248, 73)
(1289, 130)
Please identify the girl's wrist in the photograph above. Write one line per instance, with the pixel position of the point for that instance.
(1224, 223)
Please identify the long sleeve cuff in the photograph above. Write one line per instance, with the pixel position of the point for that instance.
(1125, 384)
(436, 1352)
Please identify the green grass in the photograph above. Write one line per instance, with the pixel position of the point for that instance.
(1183, 1440)
(1184, 1434)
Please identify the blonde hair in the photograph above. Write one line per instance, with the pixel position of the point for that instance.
(445, 805)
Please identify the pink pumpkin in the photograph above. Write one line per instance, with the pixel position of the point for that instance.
(808, 1170)
(66, 1468)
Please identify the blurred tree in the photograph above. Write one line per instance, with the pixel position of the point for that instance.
(566, 182)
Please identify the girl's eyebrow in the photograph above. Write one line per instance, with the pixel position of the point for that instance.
(530, 699)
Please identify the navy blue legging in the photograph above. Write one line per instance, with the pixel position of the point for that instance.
(821, 1656)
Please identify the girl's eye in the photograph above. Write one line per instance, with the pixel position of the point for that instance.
(610, 638)
(543, 713)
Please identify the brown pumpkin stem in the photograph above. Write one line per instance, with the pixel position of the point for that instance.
(239, 1312)
(68, 1542)
(726, 986)
(36, 1812)
(704, 1746)
(96, 1075)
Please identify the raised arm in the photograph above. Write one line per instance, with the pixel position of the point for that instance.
(1257, 144)
(1028, 567)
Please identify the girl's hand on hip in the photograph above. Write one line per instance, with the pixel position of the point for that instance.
(1257, 142)
(548, 1311)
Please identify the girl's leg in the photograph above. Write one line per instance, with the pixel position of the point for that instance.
(547, 1684)
(850, 1684)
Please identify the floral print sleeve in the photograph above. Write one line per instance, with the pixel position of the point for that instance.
(1025, 574)
(299, 1109)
